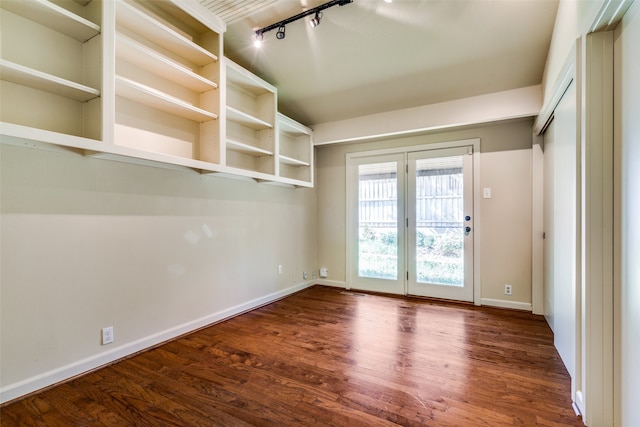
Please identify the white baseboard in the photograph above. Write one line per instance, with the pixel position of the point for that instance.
(46, 379)
(334, 283)
(578, 404)
(516, 305)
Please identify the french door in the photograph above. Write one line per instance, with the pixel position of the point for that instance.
(440, 223)
(376, 223)
(410, 223)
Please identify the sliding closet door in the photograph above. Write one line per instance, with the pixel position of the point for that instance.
(561, 162)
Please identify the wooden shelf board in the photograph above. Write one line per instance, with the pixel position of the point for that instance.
(260, 176)
(132, 155)
(35, 79)
(247, 149)
(292, 161)
(247, 120)
(151, 97)
(53, 16)
(145, 58)
(32, 137)
(290, 127)
(291, 131)
(242, 78)
(292, 181)
(146, 26)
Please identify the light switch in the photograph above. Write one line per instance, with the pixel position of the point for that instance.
(486, 193)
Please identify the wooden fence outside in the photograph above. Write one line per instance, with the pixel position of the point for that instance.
(439, 202)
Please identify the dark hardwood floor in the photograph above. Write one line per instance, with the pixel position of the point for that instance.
(328, 357)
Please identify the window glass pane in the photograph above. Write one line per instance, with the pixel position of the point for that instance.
(378, 220)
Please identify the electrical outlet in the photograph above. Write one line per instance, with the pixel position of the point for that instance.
(107, 335)
(305, 276)
(280, 269)
(507, 289)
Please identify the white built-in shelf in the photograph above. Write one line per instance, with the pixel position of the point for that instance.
(164, 90)
(147, 59)
(154, 98)
(295, 152)
(247, 119)
(291, 161)
(53, 16)
(251, 150)
(145, 25)
(35, 79)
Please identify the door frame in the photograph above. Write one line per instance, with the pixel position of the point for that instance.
(351, 247)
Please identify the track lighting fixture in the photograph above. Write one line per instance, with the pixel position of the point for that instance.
(280, 34)
(316, 20)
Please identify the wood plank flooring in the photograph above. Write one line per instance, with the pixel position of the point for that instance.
(328, 357)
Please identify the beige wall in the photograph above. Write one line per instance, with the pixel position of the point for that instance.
(505, 166)
(89, 243)
(627, 140)
(572, 20)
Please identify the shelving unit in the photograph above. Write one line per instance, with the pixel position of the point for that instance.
(166, 83)
(142, 81)
(295, 154)
(51, 67)
(250, 121)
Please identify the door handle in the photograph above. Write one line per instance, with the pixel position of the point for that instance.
(467, 230)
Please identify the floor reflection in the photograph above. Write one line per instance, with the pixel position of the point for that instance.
(401, 352)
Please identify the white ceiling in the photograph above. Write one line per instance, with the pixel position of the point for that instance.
(371, 56)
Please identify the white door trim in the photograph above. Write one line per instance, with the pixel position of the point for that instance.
(596, 397)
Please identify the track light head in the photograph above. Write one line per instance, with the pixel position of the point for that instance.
(280, 33)
(316, 20)
(257, 39)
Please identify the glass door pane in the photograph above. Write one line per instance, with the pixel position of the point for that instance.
(439, 221)
(378, 220)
